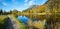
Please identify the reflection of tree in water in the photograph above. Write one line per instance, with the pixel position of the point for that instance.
(34, 27)
(36, 19)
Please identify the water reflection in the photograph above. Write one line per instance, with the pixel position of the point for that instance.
(33, 21)
(24, 19)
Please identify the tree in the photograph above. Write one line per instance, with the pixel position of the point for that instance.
(1, 11)
(53, 6)
(15, 12)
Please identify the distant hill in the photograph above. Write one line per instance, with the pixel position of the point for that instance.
(48, 6)
(35, 9)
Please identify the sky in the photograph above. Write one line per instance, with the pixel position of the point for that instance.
(19, 4)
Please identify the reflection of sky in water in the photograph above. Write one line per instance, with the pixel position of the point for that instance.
(24, 19)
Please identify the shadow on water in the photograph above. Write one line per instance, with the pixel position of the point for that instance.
(9, 24)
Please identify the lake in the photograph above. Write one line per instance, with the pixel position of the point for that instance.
(35, 20)
(23, 19)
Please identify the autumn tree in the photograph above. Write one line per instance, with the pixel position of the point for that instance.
(53, 7)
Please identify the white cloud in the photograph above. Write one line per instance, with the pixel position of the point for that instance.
(26, 1)
(1, 0)
(25, 4)
(5, 4)
(31, 2)
(14, 2)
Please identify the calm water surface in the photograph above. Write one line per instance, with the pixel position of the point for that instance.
(24, 19)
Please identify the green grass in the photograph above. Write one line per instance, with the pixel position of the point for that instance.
(22, 25)
(3, 21)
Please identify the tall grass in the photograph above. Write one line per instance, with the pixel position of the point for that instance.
(3, 21)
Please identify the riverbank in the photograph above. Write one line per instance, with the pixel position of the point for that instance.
(3, 21)
(16, 23)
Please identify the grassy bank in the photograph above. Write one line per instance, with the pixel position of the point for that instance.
(3, 21)
(21, 25)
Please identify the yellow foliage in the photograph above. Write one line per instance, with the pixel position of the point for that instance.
(38, 24)
(30, 23)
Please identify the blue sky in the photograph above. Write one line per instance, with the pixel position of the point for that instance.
(19, 4)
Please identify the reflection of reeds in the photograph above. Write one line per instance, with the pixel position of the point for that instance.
(37, 17)
(37, 24)
(34, 21)
(48, 17)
